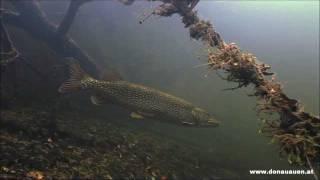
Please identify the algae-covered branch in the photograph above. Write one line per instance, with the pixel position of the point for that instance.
(296, 131)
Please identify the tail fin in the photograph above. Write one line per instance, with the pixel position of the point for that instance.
(76, 76)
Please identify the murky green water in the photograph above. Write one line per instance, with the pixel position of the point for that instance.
(160, 54)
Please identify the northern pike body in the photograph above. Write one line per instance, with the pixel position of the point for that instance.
(142, 100)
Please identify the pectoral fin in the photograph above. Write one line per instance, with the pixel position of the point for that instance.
(96, 100)
(135, 115)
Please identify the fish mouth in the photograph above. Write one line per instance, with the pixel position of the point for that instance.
(212, 122)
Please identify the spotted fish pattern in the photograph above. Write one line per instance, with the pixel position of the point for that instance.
(144, 100)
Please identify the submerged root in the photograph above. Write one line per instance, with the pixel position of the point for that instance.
(297, 132)
(8, 52)
(296, 145)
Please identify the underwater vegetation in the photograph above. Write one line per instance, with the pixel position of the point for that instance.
(30, 147)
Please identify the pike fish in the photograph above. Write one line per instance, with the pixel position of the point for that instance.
(141, 100)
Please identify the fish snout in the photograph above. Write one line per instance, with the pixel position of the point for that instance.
(212, 122)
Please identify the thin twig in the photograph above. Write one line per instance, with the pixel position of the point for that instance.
(311, 167)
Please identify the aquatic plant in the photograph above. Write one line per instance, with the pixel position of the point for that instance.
(296, 131)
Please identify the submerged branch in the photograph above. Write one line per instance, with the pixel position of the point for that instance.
(297, 131)
(33, 20)
(8, 52)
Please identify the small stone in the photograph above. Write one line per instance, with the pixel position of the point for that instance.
(109, 177)
(12, 171)
(35, 175)
(154, 174)
(164, 178)
(5, 169)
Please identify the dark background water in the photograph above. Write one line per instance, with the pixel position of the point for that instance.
(160, 54)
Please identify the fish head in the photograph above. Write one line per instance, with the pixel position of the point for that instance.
(202, 118)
